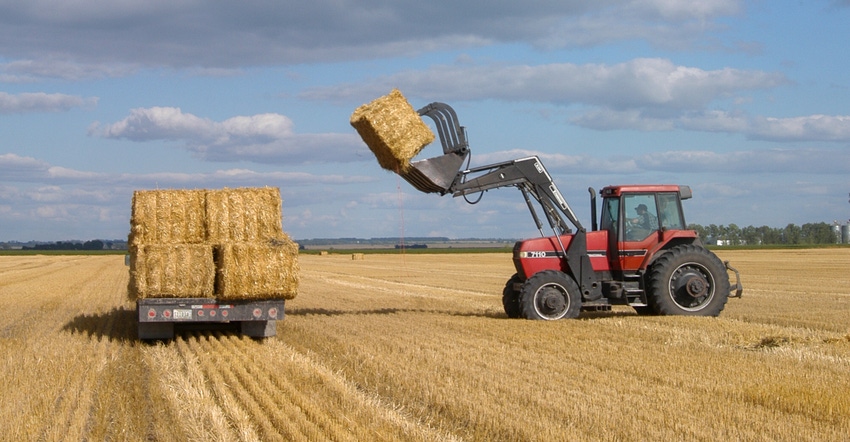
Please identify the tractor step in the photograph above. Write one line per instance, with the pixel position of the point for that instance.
(600, 305)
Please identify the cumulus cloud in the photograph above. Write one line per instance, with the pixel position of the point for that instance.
(21, 169)
(41, 102)
(27, 71)
(185, 33)
(805, 128)
(638, 83)
(765, 161)
(647, 94)
(261, 138)
(830, 128)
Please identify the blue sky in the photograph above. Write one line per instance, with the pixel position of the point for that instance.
(745, 101)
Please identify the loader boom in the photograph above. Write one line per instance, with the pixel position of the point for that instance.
(531, 178)
(443, 174)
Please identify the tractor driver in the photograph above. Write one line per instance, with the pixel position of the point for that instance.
(644, 220)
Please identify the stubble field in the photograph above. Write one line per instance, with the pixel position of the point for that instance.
(417, 347)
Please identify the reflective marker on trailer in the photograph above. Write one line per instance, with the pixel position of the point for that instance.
(272, 312)
(257, 312)
(151, 313)
(166, 313)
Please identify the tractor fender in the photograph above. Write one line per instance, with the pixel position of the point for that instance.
(667, 239)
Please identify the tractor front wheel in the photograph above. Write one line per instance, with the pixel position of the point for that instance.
(511, 298)
(550, 295)
(688, 280)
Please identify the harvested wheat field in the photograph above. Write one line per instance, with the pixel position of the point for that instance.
(417, 347)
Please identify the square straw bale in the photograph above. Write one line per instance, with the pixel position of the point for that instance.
(167, 217)
(172, 270)
(393, 130)
(257, 270)
(243, 215)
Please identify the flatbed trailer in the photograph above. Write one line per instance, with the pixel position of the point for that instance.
(256, 318)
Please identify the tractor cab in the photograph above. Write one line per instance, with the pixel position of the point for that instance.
(640, 220)
(632, 213)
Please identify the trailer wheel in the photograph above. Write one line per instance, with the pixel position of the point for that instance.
(550, 295)
(688, 280)
(511, 298)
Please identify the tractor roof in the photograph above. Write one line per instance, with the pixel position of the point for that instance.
(609, 191)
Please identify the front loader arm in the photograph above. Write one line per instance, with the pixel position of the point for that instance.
(527, 174)
(444, 174)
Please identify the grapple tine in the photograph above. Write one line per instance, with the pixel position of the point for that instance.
(437, 174)
(434, 175)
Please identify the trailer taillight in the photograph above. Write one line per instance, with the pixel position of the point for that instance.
(272, 312)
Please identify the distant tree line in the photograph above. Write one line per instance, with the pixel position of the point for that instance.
(370, 241)
(95, 244)
(411, 246)
(810, 233)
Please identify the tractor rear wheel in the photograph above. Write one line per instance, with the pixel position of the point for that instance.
(688, 280)
(550, 295)
(511, 297)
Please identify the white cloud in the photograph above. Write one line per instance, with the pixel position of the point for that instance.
(16, 168)
(805, 128)
(28, 71)
(638, 83)
(831, 128)
(157, 123)
(188, 33)
(10, 162)
(763, 161)
(41, 102)
(267, 138)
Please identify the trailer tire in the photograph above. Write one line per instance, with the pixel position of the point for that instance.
(550, 295)
(688, 280)
(511, 298)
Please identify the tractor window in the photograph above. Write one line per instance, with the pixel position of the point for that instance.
(610, 212)
(669, 212)
(641, 216)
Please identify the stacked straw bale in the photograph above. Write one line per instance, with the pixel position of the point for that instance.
(227, 244)
(393, 130)
(257, 270)
(243, 215)
(167, 217)
(178, 270)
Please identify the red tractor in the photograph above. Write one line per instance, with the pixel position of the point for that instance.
(640, 253)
